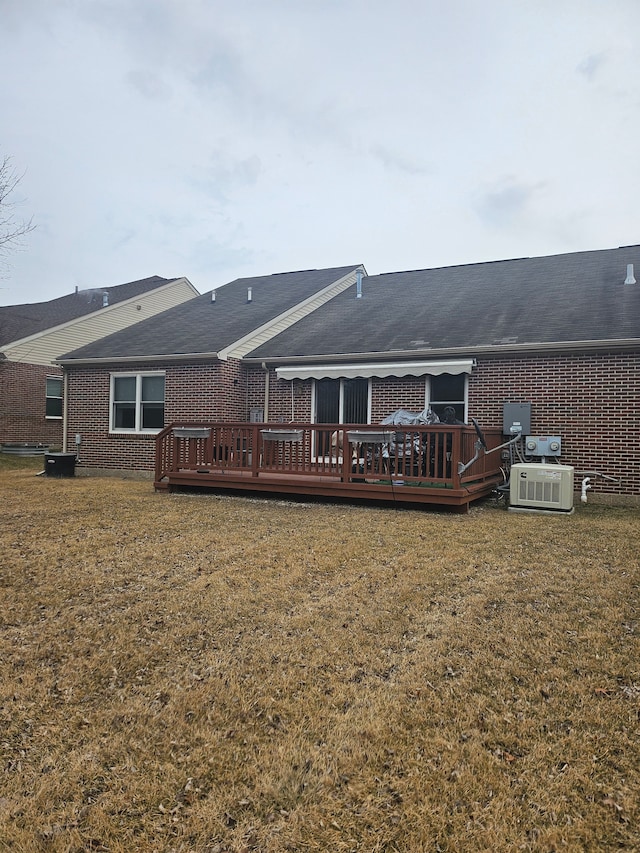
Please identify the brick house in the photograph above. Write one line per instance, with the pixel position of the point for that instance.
(185, 364)
(33, 335)
(560, 333)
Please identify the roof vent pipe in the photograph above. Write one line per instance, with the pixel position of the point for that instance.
(213, 296)
(359, 284)
(105, 299)
(249, 294)
(629, 279)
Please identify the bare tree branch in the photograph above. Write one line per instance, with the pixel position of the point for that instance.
(12, 229)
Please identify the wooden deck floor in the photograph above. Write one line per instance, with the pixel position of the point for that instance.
(328, 487)
(235, 458)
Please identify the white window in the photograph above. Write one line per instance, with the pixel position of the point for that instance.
(137, 402)
(53, 401)
(448, 390)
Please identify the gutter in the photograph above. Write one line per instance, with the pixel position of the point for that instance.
(495, 351)
(133, 359)
(450, 352)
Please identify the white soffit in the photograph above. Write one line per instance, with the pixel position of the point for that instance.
(382, 369)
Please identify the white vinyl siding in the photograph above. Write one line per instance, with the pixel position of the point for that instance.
(274, 327)
(45, 347)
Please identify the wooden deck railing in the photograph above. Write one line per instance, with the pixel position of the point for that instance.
(421, 455)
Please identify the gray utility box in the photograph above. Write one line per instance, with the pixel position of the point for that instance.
(516, 418)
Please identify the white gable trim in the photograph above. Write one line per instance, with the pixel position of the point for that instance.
(45, 346)
(244, 345)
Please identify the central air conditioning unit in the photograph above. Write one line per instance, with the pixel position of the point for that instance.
(545, 488)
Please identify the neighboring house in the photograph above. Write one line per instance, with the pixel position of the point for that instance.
(561, 333)
(32, 336)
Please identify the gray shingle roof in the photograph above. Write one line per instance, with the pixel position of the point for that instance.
(202, 326)
(21, 321)
(560, 298)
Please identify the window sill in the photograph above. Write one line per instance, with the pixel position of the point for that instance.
(135, 432)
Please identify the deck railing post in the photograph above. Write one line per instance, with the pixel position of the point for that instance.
(256, 450)
(456, 456)
(160, 466)
(347, 455)
(173, 452)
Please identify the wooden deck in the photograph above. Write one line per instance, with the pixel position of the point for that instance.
(407, 465)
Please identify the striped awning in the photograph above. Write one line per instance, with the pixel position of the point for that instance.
(378, 369)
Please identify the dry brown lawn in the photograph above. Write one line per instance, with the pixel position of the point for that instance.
(195, 672)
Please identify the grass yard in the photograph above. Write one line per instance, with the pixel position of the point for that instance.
(202, 673)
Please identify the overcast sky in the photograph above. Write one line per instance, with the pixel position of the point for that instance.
(224, 138)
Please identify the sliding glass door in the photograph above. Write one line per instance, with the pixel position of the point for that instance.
(339, 401)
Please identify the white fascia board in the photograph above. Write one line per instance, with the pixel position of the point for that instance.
(455, 352)
(138, 359)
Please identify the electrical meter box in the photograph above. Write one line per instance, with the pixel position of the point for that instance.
(543, 445)
(516, 419)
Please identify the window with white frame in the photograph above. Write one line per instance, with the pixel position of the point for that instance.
(448, 390)
(137, 402)
(53, 400)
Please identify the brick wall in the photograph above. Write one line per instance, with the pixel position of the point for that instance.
(88, 413)
(592, 401)
(288, 401)
(291, 400)
(387, 395)
(23, 405)
(193, 392)
(255, 383)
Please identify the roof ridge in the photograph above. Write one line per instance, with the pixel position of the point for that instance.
(510, 260)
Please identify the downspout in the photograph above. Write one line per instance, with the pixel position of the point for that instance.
(65, 408)
(266, 392)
